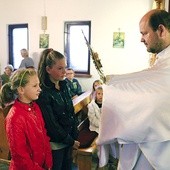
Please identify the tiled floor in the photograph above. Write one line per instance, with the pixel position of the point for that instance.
(74, 167)
(110, 166)
(5, 167)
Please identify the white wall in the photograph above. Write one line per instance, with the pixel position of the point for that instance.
(106, 17)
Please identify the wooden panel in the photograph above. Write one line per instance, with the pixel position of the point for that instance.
(84, 157)
(84, 162)
(4, 161)
(4, 149)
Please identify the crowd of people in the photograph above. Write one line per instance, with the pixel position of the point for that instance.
(131, 110)
(26, 62)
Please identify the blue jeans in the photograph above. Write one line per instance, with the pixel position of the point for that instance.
(62, 159)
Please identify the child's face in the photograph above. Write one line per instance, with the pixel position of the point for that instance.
(99, 95)
(57, 71)
(31, 90)
(96, 84)
(70, 74)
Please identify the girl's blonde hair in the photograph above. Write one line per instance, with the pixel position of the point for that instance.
(18, 79)
(93, 87)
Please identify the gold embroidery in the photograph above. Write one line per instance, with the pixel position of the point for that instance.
(152, 60)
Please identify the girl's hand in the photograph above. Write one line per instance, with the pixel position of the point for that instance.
(76, 144)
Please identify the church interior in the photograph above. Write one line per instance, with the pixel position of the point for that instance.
(108, 18)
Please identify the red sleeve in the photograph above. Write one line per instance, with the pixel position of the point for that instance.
(18, 147)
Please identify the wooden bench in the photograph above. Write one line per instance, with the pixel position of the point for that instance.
(5, 162)
(4, 149)
(84, 156)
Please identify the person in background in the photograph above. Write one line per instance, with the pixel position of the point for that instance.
(27, 62)
(0, 82)
(7, 73)
(136, 106)
(73, 83)
(94, 109)
(57, 108)
(95, 84)
(94, 115)
(28, 141)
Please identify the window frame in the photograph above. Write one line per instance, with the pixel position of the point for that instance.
(67, 26)
(11, 27)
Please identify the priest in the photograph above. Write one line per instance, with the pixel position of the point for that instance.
(136, 106)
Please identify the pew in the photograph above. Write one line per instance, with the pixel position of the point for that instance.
(84, 156)
(4, 149)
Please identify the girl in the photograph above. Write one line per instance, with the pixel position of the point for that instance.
(94, 86)
(57, 108)
(94, 115)
(28, 142)
(94, 109)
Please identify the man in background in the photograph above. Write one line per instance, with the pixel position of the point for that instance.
(27, 62)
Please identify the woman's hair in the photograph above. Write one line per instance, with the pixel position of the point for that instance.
(18, 79)
(48, 58)
(9, 66)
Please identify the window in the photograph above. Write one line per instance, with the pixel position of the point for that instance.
(75, 48)
(18, 39)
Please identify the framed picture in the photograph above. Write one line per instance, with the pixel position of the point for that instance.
(118, 39)
(44, 41)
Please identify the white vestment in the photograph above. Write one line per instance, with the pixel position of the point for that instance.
(136, 113)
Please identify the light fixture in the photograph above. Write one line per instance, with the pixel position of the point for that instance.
(44, 23)
(44, 19)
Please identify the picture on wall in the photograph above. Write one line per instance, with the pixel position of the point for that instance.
(44, 41)
(118, 39)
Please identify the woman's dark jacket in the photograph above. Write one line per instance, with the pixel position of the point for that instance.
(58, 113)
